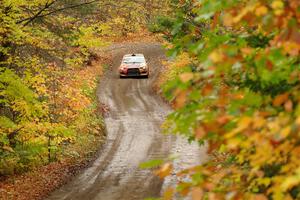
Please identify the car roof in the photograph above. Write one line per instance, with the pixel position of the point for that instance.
(134, 55)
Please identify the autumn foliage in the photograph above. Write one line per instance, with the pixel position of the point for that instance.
(239, 93)
(48, 77)
(48, 108)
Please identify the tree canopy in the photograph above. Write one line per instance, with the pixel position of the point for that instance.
(237, 89)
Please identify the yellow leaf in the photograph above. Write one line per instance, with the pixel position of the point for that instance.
(291, 181)
(216, 56)
(285, 132)
(259, 122)
(168, 194)
(233, 143)
(261, 11)
(298, 121)
(279, 12)
(278, 7)
(278, 4)
(8, 148)
(242, 125)
(228, 20)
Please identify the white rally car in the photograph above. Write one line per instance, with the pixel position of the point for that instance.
(134, 65)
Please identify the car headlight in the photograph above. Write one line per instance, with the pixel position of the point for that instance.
(143, 67)
(122, 68)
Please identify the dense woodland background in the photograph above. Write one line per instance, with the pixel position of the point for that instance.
(233, 79)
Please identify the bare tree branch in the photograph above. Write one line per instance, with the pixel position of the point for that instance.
(30, 19)
(41, 14)
(68, 7)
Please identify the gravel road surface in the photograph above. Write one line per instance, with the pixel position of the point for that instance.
(133, 136)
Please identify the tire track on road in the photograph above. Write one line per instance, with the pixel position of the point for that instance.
(133, 135)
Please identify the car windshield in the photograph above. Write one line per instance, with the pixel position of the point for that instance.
(134, 60)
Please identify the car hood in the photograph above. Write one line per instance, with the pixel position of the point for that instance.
(129, 66)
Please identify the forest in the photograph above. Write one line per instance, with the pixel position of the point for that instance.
(232, 78)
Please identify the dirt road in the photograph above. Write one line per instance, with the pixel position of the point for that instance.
(133, 126)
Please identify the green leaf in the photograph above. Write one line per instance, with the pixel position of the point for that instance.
(151, 164)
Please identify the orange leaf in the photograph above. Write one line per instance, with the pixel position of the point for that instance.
(246, 50)
(197, 194)
(269, 65)
(259, 197)
(213, 146)
(200, 133)
(180, 99)
(280, 99)
(186, 77)
(209, 186)
(261, 11)
(214, 196)
(165, 170)
(224, 119)
(238, 96)
(185, 188)
(288, 106)
(215, 20)
(207, 89)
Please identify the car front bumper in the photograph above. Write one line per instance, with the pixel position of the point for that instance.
(134, 72)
